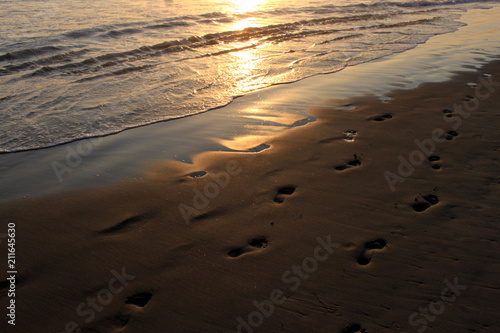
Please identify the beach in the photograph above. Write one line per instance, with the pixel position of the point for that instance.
(366, 204)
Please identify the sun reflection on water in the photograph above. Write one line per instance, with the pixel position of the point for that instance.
(247, 71)
(246, 68)
(244, 6)
(245, 23)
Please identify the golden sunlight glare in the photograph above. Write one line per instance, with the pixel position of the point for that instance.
(243, 6)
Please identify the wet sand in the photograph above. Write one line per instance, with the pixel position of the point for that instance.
(260, 113)
(380, 216)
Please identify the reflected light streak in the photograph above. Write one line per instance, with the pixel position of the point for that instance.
(244, 6)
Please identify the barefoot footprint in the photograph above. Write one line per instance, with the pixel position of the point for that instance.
(429, 200)
(353, 328)
(432, 159)
(381, 117)
(255, 243)
(140, 299)
(353, 163)
(368, 250)
(347, 136)
(284, 192)
(448, 113)
(450, 135)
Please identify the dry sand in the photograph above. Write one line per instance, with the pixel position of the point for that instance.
(423, 257)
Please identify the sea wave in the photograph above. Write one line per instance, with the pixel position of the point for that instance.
(71, 83)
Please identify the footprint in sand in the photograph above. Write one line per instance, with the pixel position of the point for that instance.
(381, 117)
(429, 200)
(433, 159)
(450, 135)
(197, 174)
(121, 319)
(127, 224)
(385, 99)
(347, 136)
(283, 192)
(356, 161)
(353, 328)
(253, 245)
(140, 299)
(448, 113)
(369, 250)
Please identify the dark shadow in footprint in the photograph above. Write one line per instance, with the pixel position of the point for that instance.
(377, 244)
(353, 163)
(353, 328)
(140, 299)
(258, 148)
(450, 135)
(448, 113)
(432, 159)
(420, 206)
(346, 106)
(236, 252)
(197, 174)
(303, 122)
(282, 192)
(367, 254)
(431, 198)
(258, 243)
(121, 320)
(349, 135)
(126, 224)
(381, 117)
(207, 215)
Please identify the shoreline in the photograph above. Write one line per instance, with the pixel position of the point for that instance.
(304, 235)
(263, 113)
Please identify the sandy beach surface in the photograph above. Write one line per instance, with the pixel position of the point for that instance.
(381, 216)
(365, 212)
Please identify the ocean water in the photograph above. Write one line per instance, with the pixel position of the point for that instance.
(83, 68)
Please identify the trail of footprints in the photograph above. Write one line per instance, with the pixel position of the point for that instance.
(259, 243)
(369, 249)
(365, 254)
